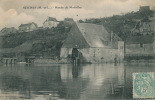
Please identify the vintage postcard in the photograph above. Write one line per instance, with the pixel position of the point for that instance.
(77, 49)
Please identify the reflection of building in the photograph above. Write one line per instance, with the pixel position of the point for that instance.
(28, 27)
(50, 22)
(73, 82)
(94, 42)
(66, 72)
(121, 75)
(90, 82)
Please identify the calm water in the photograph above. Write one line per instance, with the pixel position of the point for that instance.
(67, 82)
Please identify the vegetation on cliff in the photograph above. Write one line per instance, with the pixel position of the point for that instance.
(121, 24)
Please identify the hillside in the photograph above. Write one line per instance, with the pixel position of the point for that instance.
(36, 41)
(121, 24)
(50, 40)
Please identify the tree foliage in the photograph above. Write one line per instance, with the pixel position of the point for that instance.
(49, 39)
(121, 24)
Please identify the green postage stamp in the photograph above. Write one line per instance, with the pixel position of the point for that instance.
(143, 85)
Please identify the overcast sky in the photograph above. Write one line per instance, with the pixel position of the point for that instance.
(12, 13)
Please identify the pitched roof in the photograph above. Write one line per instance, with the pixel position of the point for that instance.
(75, 39)
(68, 19)
(145, 39)
(94, 34)
(28, 24)
(51, 19)
(85, 35)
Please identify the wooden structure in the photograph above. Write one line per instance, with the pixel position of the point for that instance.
(76, 56)
(9, 60)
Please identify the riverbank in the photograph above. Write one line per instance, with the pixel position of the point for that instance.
(66, 61)
(51, 61)
(140, 61)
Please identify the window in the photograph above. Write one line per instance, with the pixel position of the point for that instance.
(141, 45)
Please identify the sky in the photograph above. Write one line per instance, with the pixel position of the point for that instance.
(12, 12)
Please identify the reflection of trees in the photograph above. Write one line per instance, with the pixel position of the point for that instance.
(31, 81)
(46, 78)
(11, 82)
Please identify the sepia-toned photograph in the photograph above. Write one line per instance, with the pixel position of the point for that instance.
(77, 49)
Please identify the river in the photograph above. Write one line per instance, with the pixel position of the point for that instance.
(68, 82)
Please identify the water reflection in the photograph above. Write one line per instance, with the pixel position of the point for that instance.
(67, 82)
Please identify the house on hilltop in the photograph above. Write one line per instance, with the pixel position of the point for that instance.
(144, 8)
(50, 22)
(68, 19)
(28, 27)
(92, 43)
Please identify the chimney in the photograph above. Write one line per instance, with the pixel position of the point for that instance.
(111, 36)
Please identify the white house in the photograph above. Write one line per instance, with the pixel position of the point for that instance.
(28, 27)
(50, 22)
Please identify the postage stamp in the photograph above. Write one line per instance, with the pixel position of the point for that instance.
(143, 85)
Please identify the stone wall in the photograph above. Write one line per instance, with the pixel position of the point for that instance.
(139, 49)
(99, 55)
(65, 52)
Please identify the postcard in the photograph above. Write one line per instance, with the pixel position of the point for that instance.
(77, 49)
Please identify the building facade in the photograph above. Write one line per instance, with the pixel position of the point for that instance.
(50, 22)
(140, 47)
(93, 43)
(28, 27)
(139, 44)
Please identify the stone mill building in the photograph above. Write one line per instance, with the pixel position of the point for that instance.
(92, 43)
